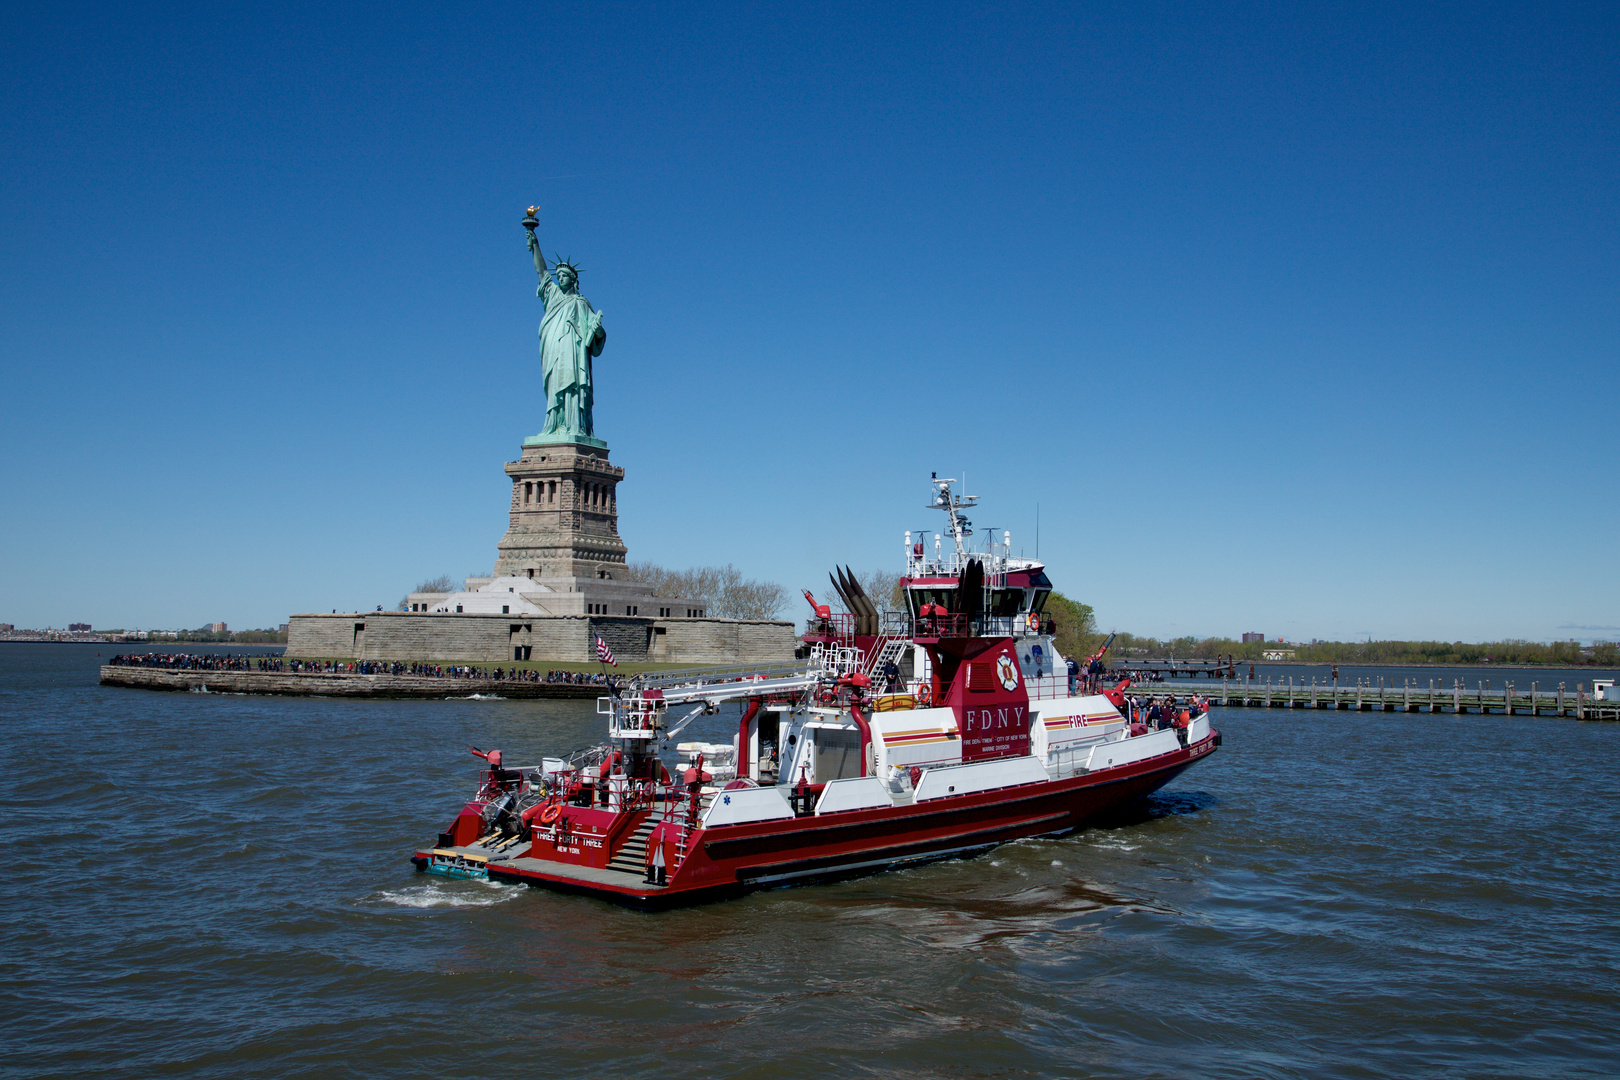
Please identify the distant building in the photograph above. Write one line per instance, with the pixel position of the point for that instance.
(78, 628)
(1254, 639)
(213, 628)
(1278, 654)
(283, 628)
(8, 628)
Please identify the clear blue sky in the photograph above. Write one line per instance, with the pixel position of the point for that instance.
(1292, 319)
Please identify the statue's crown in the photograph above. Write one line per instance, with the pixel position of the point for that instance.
(562, 262)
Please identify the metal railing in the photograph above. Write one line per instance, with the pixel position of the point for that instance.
(683, 676)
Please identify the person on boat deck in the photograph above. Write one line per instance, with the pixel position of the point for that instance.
(1074, 675)
(891, 676)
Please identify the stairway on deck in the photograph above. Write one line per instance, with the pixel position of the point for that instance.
(891, 649)
(632, 855)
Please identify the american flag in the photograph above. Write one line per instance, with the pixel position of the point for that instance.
(603, 653)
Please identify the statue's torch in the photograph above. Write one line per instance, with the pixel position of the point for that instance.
(531, 222)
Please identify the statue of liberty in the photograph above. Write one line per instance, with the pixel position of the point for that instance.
(570, 335)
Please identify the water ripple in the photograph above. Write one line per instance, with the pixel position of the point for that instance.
(217, 886)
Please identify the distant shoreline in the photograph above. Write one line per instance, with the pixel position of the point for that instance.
(162, 641)
(1421, 664)
(1239, 665)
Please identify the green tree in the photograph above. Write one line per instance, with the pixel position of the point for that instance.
(1076, 636)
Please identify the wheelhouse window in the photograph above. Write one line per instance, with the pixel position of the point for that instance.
(945, 598)
(1006, 602)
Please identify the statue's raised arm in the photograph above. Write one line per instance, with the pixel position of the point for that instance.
(539, 259)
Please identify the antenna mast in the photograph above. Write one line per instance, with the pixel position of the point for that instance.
(953, 504)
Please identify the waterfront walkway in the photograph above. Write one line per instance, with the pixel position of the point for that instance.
(339, 684)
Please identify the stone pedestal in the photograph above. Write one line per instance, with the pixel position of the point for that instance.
(565, 516)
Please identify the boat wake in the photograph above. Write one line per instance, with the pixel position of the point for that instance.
(431, 894)
(476, 697)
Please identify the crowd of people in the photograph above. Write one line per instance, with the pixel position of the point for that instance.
(592, 678)
(1096, 678)
(1158, 713)
(223, 662)
(1137, 676)
(186, 661)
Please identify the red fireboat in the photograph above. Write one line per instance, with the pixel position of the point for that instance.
(937, 731)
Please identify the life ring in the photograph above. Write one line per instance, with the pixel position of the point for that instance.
(925, 696)
(551, 813)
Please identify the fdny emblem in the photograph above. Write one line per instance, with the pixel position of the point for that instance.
(1006, 672)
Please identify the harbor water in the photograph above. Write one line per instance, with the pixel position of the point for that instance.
(219, 886)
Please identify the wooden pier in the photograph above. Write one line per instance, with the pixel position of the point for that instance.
(1178, 669)
(1288, 693)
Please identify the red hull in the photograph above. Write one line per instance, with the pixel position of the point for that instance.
(730, 860)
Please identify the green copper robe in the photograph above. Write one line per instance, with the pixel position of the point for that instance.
(570, 335)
